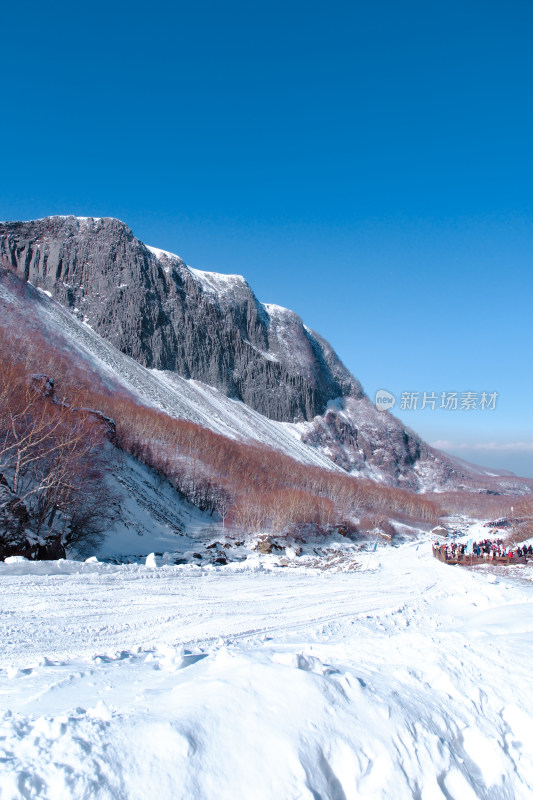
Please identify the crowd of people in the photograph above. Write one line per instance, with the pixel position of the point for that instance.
(488, 549)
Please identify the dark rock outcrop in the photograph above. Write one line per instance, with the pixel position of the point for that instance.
(361, 439)
(17, 537)
(202, 325)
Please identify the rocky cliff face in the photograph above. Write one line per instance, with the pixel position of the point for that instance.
(362, 440)
(202, 325)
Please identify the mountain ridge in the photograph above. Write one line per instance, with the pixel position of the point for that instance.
(260, 355)
(168, 316)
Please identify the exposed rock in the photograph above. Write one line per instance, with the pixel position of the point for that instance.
(14, 518)
(153, 307)
(264, 545)
(16, 535)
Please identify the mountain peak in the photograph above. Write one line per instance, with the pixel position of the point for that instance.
(200, 324)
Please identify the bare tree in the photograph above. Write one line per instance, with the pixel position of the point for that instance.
(52, 458)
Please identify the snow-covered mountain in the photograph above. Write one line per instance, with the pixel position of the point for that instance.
(167, 316)
(201, 347)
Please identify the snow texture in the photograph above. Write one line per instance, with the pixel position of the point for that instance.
(186, 682)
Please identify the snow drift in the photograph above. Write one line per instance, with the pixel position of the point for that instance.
(176, 682)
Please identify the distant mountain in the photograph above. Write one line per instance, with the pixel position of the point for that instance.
(216, 355)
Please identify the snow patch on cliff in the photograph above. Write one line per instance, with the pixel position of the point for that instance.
(216, 282)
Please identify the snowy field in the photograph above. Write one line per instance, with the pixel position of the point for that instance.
(405, 679)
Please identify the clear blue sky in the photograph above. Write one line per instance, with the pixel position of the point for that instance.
(369, 165)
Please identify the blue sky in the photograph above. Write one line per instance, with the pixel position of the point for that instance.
(368, 165)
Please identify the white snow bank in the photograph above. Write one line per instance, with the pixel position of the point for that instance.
(271, 724)
(127, 682)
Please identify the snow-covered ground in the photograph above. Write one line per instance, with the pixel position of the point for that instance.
(407, 678)
(149, 515)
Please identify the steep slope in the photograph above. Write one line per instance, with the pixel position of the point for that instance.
(153, 307)
(181, 398)
(219, 357)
